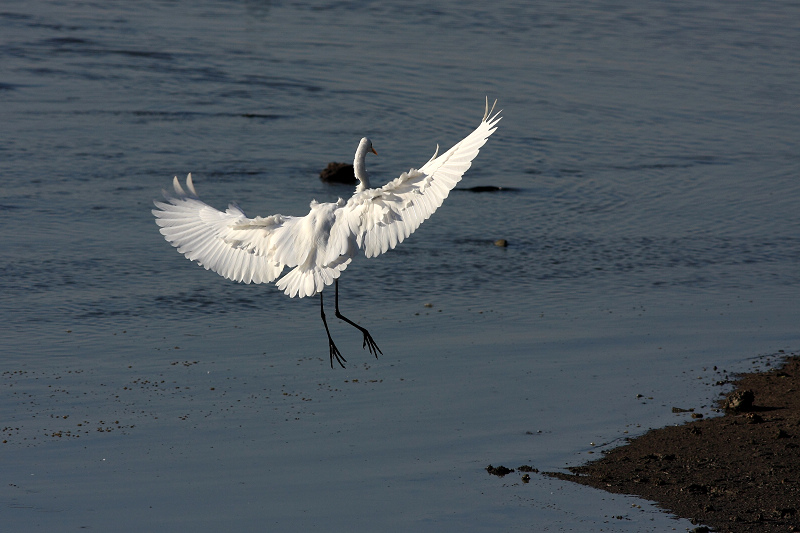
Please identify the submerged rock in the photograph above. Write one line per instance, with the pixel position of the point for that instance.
(499, 471)
(487, 188)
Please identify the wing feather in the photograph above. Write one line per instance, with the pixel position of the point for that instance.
(220, 241)
(379, 219)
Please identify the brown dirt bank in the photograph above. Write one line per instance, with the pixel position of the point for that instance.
(738, 473)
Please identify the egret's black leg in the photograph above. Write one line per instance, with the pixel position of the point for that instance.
(334, 350)
(369, 342)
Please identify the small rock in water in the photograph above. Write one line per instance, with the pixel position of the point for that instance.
(338, 173)
(501, 242)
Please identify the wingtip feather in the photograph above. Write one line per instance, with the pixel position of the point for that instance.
(488, 111)
(177, 186)
(489, 114)
(190, 185)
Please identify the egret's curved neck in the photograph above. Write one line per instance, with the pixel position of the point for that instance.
(359, 164)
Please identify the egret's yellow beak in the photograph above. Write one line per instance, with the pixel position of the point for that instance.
(374, 152)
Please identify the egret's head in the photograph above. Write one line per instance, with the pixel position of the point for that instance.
(367, 144)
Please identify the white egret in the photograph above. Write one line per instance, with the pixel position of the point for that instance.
(320, 245)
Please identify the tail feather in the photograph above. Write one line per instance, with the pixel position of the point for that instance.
(302, 281)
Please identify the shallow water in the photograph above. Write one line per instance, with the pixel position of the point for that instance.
(653, 230)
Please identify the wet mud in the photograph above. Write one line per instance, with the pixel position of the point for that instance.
(739, 472)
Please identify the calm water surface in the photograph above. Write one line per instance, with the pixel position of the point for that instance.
(653, 229)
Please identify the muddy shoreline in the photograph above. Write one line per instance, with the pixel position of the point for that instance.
(736, 473)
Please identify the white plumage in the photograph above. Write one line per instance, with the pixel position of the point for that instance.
(320, 245)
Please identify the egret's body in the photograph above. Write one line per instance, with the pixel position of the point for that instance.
(320, 245)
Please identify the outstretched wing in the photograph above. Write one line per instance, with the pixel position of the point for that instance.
(255, 250)
(229, 243)
(320, 245)
(381, 218)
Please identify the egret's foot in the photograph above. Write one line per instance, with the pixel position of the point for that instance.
(369, 342)
(336, 353)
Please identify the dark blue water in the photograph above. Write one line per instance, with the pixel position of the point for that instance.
(651, 152)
